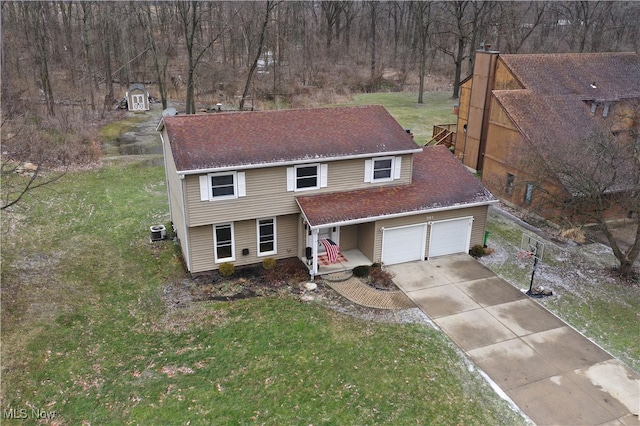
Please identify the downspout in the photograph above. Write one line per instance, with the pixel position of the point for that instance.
(166, 176)
(187, 252)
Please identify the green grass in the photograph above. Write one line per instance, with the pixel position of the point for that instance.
(420, 118)
(111, 131)
(86, 331)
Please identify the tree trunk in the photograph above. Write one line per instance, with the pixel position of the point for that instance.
(254, 64)
(41, 55)
(88, 49)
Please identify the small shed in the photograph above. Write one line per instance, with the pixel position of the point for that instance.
(137, 98)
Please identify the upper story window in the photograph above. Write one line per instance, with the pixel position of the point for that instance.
(382, 169)
(306, 177)
(220, 186)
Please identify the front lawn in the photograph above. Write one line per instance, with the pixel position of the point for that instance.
(89, 334)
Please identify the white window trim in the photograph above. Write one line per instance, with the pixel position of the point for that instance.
(215, 244)
(239, 186)
(275, 237)
(369, 169)
(321, 177)
(391, 171)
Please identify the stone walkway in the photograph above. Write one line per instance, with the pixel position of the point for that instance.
(362, 294)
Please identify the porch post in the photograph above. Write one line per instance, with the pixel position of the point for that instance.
(314, 251)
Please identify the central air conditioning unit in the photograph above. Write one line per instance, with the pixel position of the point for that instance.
(158, 232)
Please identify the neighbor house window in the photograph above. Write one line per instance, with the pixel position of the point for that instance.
(307, 176)
(266, 236)
(220, 186)
(509, 186)
(528, 194)
(223, 243)
(382, 169)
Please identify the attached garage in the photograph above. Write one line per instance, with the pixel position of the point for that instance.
(404, 244)
(450, 236)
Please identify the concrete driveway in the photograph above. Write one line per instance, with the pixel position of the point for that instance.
(553, 373)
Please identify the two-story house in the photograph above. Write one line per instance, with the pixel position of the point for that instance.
(245, 186)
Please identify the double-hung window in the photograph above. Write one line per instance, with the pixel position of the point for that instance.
(223, 243)
(382, 169)
(266, 236)
(306, 177)
(220, 186)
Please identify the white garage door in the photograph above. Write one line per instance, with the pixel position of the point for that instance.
(450, 236)
(404, 244)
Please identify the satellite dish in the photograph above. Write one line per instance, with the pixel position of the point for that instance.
(171, 111)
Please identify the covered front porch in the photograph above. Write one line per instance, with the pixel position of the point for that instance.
(346, 261)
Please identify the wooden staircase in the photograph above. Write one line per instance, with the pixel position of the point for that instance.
(444, 134)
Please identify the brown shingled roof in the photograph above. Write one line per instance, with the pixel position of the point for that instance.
(616, 75)
(547, 117)
(236, 139)
(440, 181)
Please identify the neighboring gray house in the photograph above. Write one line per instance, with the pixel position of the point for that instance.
(245, 186)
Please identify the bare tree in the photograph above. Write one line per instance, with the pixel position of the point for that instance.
(269, 5)
(422, 13)
(34, 12)
(25, 155)
(190, 13)
(585, 181)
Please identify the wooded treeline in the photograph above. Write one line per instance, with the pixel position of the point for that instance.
(86, 53)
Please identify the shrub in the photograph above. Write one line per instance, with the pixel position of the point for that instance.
(575, 234)
(361, 271)
(287, 271)
(269, 263)
(381, 278)
(477, 250)
(227, 269)
(376, 265)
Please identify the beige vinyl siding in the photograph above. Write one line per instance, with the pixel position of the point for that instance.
(267, 195)
(367, 239)
(174, 189)
(348, 237)
(201, 242)
(479, 215)
(245, 236)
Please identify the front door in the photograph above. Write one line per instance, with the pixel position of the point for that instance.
(138, 102)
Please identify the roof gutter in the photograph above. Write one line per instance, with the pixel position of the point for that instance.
(395, 215)
(296, 162)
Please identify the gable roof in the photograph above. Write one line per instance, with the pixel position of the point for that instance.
(241, 139)
(440, 182)
(547, 117)
(552, 105)
(553, 112)
(615, 75)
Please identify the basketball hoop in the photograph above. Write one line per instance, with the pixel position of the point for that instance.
(523, 254)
